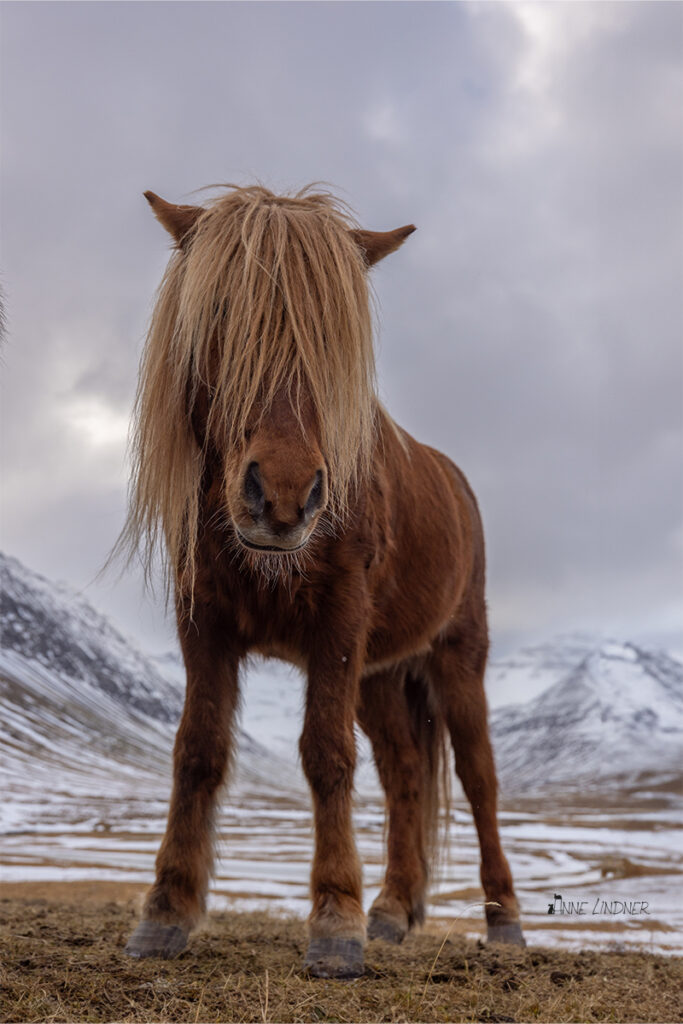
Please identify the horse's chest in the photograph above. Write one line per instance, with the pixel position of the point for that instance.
(277, 625)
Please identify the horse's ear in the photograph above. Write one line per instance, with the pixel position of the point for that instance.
(375, 245)
(178, 220)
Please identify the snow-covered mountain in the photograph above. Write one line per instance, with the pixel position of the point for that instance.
(78, 701)
(612, 714)
(528, 671)
(49, 623)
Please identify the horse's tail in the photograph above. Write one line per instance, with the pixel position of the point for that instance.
(429, 730)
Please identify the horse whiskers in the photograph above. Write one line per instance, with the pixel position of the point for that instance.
(220, 518)
(328, 526)
(270, 569)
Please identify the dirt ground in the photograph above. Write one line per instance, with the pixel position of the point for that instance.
(61, 959)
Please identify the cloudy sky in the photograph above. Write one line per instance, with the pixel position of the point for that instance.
(532, 327)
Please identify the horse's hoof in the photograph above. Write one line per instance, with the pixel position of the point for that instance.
(385, 928)
(509, 932)
(151, 938)
(334, 958)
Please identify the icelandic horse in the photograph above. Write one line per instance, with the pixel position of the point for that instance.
(297, 520)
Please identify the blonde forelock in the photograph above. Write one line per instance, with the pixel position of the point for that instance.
(268, 293)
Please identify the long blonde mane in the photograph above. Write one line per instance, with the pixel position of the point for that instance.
(268, 292)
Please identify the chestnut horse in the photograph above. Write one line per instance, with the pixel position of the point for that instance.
(297, 520)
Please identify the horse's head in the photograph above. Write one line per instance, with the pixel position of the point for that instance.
(263, 331)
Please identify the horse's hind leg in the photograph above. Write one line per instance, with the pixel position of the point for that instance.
(402, 758)
(456, 670)
(200, 758)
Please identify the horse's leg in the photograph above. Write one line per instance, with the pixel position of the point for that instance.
(201, 754)
(328, 755)
(403, 762)
(456, 670)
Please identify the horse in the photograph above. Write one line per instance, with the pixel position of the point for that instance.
(297, 520)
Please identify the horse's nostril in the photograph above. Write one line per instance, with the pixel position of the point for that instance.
(315, 495)
(253, 490)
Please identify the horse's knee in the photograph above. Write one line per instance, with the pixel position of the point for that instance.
(201, 765)
(328, 762)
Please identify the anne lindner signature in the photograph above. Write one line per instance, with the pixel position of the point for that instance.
(624, 908)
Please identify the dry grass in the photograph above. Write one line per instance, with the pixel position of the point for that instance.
(63, 961)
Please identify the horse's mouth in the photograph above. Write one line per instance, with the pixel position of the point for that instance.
(268, 547)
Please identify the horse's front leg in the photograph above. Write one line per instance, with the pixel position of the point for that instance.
(328, 754)
(201, 755)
